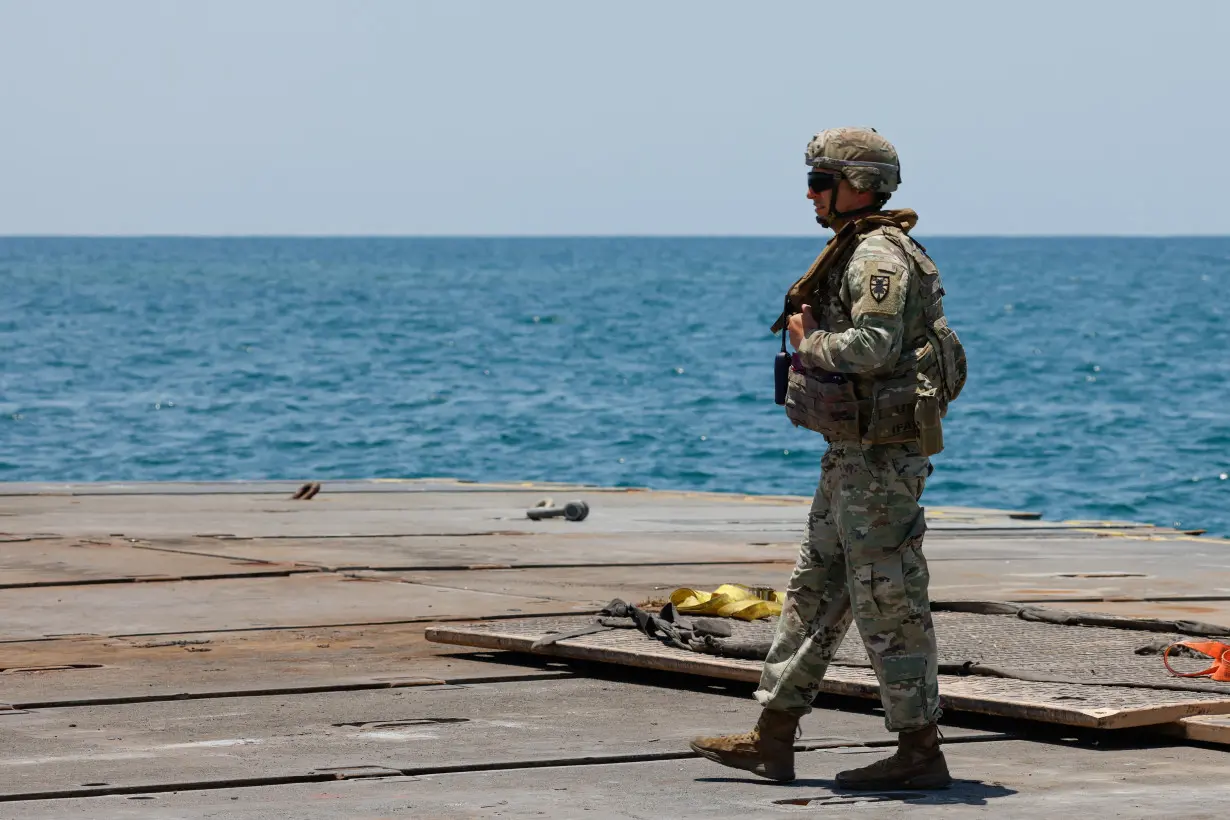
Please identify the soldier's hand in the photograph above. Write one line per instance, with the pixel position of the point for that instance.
(800, 325)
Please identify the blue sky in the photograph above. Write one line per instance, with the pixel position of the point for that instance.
(559, 118)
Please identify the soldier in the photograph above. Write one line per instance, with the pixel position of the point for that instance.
(875, 367)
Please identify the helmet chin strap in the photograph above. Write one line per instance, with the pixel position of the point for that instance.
(834, 214)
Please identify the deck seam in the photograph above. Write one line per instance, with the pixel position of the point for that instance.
(425, 771)
(407, 683)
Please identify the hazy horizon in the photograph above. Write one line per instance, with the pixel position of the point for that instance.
(821, 236)
(548, 118)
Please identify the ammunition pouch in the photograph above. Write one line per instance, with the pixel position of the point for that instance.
(825, 403)
(927, 413)
(901, 409)
(930, 407)
(951, 362)
(893, 411)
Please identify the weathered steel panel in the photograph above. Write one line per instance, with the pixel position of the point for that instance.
(383, 513)
(208, 606)
(489, 550)
(430, 550)
(392, 730)
(88, 669)
(1021, 780)
(1212, 611)
(55, 560)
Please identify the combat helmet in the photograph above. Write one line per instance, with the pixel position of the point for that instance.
(867, 161)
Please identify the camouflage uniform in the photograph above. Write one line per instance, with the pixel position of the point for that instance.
(875, 378)
(862, 555)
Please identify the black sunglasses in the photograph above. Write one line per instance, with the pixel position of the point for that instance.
(820, 181)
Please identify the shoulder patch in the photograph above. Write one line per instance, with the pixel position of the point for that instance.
(879, 287)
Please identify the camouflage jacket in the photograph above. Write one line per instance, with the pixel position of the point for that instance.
(871, 314)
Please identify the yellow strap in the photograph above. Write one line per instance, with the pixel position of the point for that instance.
(727, 601)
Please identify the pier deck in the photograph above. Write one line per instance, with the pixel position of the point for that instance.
(221, 650)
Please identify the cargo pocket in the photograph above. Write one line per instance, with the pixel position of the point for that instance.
(902, 668)
(912, 464)
(901, 523)
(912, 472)
(880, 594)
(916, 578)
(908, 704)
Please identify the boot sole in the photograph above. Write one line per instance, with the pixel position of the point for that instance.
(754, 768)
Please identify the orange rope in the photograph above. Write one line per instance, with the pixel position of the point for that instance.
(1219, 652)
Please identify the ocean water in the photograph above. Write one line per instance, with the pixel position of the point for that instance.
(1099, 384)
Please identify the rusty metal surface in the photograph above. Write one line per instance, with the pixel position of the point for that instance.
(1079, 564)
(90, 668)
(1212, 611)
(1004, 638)
(379, 554)
(50, 560)
(1014, 644)
(1077, 567)
(371, 514)
(563, 548)
(1072, 548)
(208, 606)
(368, 514)
(219, 740)
(1035, 580)
(599, 585)
(275, 487)
(1017, 779)
(1008, 642)
(1080, 568)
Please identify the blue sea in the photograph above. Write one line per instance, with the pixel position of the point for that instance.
(1099, 367)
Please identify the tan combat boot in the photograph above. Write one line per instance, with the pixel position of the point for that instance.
(917, 764)
(767, 750)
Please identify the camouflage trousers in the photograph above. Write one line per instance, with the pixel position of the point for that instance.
(862, 560)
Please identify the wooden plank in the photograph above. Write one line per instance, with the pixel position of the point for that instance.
(1098, 707)
(1203, 729)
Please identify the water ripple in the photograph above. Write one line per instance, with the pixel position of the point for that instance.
(1098, 386)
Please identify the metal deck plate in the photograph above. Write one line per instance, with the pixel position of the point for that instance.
(1004, 641)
